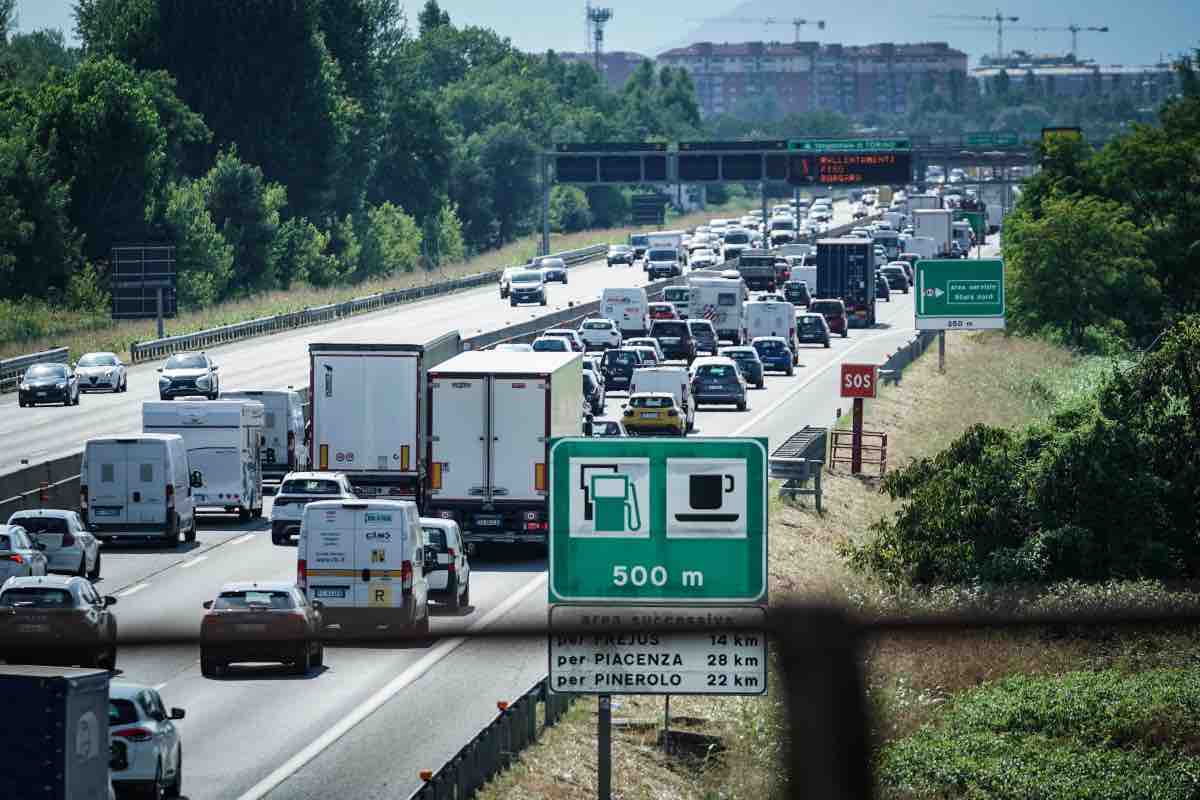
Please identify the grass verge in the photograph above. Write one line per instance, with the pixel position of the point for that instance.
(32, 329)
(1083, 696)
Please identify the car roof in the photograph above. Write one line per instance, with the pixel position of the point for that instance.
(125, 690)
(707, 322)
(34, 513)
(51, 581)
(271, 586)
(649, 394)
(736, 348)
(724, 361)
(779, 339)
(308, 476)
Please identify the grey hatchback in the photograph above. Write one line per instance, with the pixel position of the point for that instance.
(748, 363)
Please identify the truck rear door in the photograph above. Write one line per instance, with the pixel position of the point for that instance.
(381, 547)
(459, 467)
(146, 481)
(328, 551)
(365, 412)
(107, 483)
(518, 468)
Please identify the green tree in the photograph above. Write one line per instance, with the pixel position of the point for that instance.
(246, 210)
(28, 58)
(432, 17)
(569, 209)
(508, 155)
(299, 254)
(391, 243)
(203, 259)
(451, 246)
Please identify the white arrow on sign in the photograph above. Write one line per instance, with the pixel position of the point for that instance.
(935, 292)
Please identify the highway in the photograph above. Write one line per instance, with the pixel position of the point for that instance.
(365, 724)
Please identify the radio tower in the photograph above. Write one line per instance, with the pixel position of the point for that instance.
(596, 19)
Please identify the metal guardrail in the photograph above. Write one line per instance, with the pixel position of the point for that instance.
(159, 348)
(799, 460)
(11, 369)
(494, 748)
(891, 369)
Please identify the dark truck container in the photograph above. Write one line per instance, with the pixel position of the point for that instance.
(56, 744)
(758, 270)
(846, 271)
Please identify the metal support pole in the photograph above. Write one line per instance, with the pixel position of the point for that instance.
(667, 725)
(941, 351)
(545, 172)
(765, 219)
(159, 315)
(604, 742)
(856, 440)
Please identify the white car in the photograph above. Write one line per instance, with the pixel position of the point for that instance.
(571, 336)
(146, 752)
(298, 489)
(646, 341)
(101, 371)
(70, 548)
(20, 557)
(600, 334)
(449, 573)
(703, 258)
(513, 347)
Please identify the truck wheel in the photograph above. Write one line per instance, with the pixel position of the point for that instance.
(790, 372)
(94, 575)
(466, 595)
(107, 659)
(243, 514)
(176, 787)
(543, 302)
(742, 406)
(190, 534)
(826, 344)
(303, 659)
(319, 659)
(455, 603)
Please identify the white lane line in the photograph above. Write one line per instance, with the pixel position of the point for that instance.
(377, 700)
(812, 377)
(193, 562)
(243, 539)
(137, 587)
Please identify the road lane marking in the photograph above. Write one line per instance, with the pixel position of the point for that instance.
(381, 697)
(137, 587)
(193, 562)
(243, 539)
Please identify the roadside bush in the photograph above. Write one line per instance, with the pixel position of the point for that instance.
(392, 242)
(85, 292)
(1103, 488)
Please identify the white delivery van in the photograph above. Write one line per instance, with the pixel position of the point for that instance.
(770, 318)
(365, 561)
(674, 381)
(224, 445)
(492, 416)
(284, 448)
(137, 487)
(923, 246)
(936, 224)
(629, 308)
(678, 297)
(718, 300)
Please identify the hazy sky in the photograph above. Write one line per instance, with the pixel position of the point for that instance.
(1141, 32)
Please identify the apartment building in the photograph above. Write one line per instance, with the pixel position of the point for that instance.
(1150, 84)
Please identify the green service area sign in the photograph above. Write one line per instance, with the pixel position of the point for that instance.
(959, 294)
(635, 521)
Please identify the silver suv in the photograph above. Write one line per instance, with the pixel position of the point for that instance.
(188, 375)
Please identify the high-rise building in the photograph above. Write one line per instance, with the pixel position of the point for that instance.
(795, 77)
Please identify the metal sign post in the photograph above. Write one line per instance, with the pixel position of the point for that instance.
(604, 747)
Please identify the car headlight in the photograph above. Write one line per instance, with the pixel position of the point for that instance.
(108, 373)
(24, 387)
(202, 380)
(61, 384)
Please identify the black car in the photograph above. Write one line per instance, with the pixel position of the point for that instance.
(593, 394)
(620, 254)
(618, 366)
(883, 290)
(188, 375)
(748, 363)
(675, 339)
(796, 293)
(48, 383)
(897, 277)
(527, 286)
(705, 335)
(717, 381)
(812, 329)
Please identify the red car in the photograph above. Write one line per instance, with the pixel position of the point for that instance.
(662, 311)
(834, 312)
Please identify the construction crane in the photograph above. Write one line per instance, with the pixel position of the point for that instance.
(1073, 28)
(998, 18)
(796, 23)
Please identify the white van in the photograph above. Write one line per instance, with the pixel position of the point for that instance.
(366, 561)
(770, 318)
(628, 308)
(224, 442)
(137, 487)
(284, 449)
(673, 381)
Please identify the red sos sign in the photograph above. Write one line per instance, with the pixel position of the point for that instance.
(859, 380)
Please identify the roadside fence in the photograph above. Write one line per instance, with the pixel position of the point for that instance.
(904, 356)
(11, 369)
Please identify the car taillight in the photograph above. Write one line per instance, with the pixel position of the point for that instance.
(406, 577)
(170, 496)
(134, 734)
(15, 558)
(302, 573)
(452, 553)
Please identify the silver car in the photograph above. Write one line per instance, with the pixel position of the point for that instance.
(70, 548)
(20, 556)
(102, 371)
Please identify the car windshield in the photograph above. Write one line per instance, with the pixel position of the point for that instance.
(46, 371)
(811, 322)
(700, 329)
(527, 276)
(186, 362)
(550, 345)
(661, 255)
(639, 241)
(40, 524)
(310, 486)
(783, 225)
(826, 307)
(669, 329)
(676, 293)
(737, 238)
(769, 347)
(98, 360)
(254, 597)
(121, 712)
(651, 402)
(37, 597)
(597, 325)
(715, 371)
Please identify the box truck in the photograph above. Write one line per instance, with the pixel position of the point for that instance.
(56, 733)
(284, 450)
(934, 223)
(491, 418)
(920, 202)
(370, 413)
(846, 272)
(224, 441)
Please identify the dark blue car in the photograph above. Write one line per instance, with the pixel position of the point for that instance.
(774, 353)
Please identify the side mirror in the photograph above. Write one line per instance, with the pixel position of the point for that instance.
(196, 479)
(178, 713)
(207, 604)
(109, 600)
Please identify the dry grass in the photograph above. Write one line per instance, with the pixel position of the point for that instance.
(84, 334)
(989, 378)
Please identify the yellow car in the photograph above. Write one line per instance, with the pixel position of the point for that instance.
(653, 412)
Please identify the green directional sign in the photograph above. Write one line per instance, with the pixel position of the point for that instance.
(977, 219)
(658, 520)
(991, 139)
(848, 145)
(959, 294)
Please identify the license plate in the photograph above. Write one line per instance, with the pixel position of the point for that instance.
(33, 628)
(483, 523)
(41, 394)
(331, 592)
(107, 512)
(247, 627)
(649, 415)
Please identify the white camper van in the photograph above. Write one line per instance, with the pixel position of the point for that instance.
(770, 318)
(628, 308)
(224, 444)
(365, 561)
(284, 447)
(137, 487)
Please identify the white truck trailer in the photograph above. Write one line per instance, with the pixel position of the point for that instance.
(936, 224)
(370, 414)
(492, 416)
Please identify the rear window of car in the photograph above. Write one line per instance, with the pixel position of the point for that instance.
(811, 322)
(826, 307)
(651, 402)
(552, 344)
(698, 327)
(597, 325)
(769, 347)
(620, 357)
(41, 524)
(715, 371)
(254, 597)
(436, 537)
(37, 597)
(310, 486)
(669, 329)
(122, 712)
